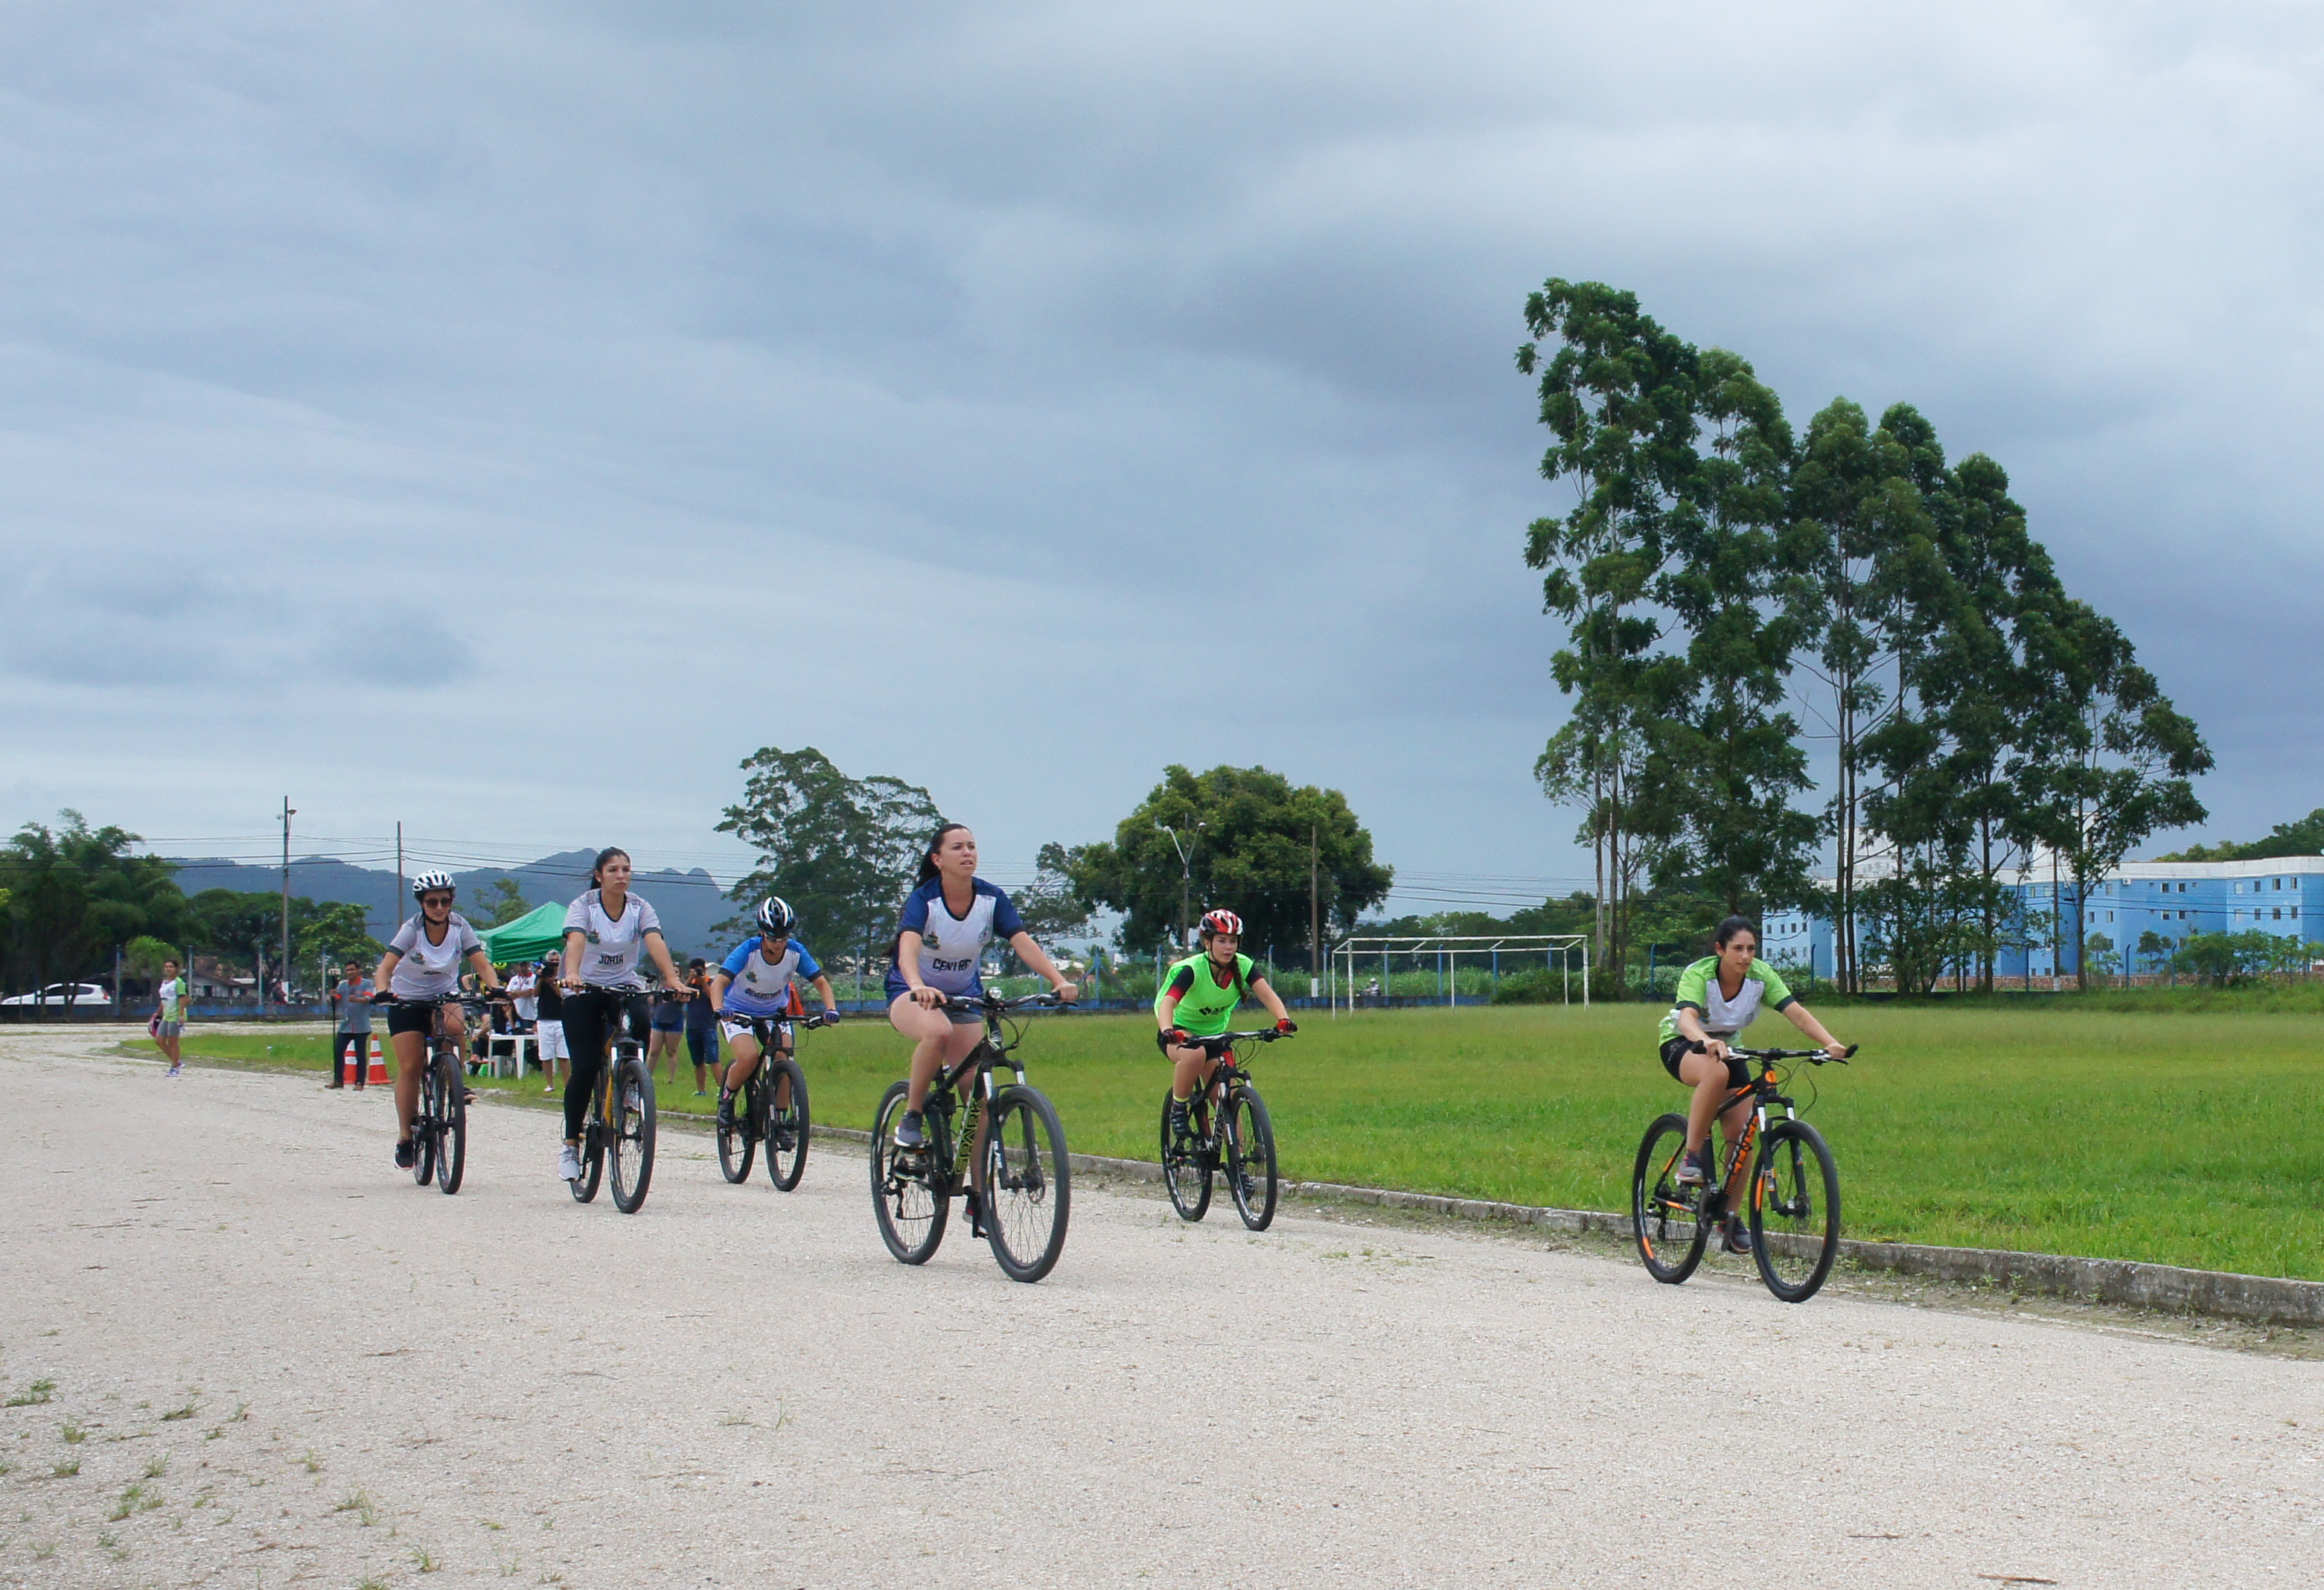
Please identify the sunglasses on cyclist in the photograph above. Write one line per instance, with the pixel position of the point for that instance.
(435, 899)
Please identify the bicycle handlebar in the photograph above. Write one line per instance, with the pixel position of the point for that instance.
(430, 1001)
(1814, 1056)
(990, 1003)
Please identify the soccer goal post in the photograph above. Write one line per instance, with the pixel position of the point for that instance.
(1351, 959)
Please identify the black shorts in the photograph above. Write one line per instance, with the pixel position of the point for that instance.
(412, 1018)
(1675, 1049)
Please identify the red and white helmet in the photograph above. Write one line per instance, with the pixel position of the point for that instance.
(1221, 921)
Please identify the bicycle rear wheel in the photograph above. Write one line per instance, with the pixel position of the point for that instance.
(1027, 1184)
(787, 1126)
(631, 1135)
(1665, 1217)
(423, 1124)
(1185, 1170)
(451, 1115)
(1249, 1138)
(1794, 1210)
(909, 1195)
(737, 1143)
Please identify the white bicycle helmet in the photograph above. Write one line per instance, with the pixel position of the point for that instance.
(433, 878)
(775, 918)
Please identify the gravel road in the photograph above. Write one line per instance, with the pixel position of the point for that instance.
(284, 1363)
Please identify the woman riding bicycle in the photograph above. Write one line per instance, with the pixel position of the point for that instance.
(1718, 997)
(1197, 999)
(757, 980)
(607, 931)
(948, 920)
(423, 963)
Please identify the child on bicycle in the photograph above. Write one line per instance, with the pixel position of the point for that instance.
(758, 979)
(1197, 999)
(1718, 997)
(423, 963)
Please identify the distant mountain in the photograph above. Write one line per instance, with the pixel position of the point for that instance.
(687, 902)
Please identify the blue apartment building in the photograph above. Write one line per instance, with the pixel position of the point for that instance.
(2171, 899)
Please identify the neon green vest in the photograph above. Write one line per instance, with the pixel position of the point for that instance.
(1206, 1008)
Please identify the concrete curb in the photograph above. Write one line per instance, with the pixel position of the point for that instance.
(2123, 1282)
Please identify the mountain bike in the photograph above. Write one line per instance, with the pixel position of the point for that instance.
(620, 1127)
(1227, 1129)
(439, 1119)
(782, 1127)
(1022, 1188)
(1794, 1187)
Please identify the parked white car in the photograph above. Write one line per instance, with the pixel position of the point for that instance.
(54, 993)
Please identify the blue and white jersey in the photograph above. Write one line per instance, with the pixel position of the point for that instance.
(951, 946)
(757, 986)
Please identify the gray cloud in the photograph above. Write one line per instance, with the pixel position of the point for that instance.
(938, 384)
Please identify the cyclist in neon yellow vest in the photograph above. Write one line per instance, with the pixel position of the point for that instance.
(1197, 999)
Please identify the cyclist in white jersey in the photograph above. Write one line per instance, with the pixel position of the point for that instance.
(423, 963)
(608, 931)
(758, 979)
(949, 918)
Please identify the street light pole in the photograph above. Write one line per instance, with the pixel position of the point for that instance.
(1185, 877)
(288, 812)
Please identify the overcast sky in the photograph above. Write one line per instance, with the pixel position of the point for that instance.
(504, 418)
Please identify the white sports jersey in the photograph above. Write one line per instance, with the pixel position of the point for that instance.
(429, 971)
(612, 948)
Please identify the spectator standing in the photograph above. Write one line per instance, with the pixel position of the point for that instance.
(701, 1021)
(170, 1018)
(668, 1023)
(352, 996)
(551, 1005)
(523, 989)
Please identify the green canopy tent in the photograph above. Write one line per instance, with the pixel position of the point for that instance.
(528, 938)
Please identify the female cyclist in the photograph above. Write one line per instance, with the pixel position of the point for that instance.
(757, 980)
(423, 963)
(607, 932)
(1197, 999)
(1718, 997)
(948, 920)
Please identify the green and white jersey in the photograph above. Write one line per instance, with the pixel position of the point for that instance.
(1698, 991)
(1204, 1006)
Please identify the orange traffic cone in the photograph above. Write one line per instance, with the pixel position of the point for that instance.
(378, 1061)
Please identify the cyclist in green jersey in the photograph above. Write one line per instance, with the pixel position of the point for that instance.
(1718, 997)
(1197, 999)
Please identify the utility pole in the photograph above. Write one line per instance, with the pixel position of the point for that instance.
(1185, 878)
(395, 906)
(288, 812)
(1314, 920)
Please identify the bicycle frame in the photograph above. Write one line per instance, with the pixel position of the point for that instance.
(1766, 1090)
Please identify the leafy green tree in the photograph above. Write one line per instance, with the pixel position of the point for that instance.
(1246, 832)
(502, 904)
(1619, 395)
(2302, 838)
(244, 926)
(73, 895)
(336, 932)
(842, 851)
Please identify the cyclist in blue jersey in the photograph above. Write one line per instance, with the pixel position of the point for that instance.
(758, 979)
(949, 918)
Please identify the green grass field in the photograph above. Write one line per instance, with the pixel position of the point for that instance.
(2180, 1139)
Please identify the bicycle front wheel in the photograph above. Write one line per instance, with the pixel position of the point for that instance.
(1794, 1210)
(423, 1124)
(909, 1195)
(737, 1143)
(786, 1126)
(452, 1124)
(1027, 1184)
(1185, 1170)
(1249, 1138)
(1665, 1217)
(631, 1135)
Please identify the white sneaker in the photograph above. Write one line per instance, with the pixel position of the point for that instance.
(174, 1071)
(568, 1164)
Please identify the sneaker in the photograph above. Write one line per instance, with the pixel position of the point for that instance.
(909, 1133)
(975, 1213)
(699, 1093)
(1179, 1126)
(725, 1108)
(781, 1135)
(1694, 1170)
(175, 1071)
(404, 1154)
(1739, 1235)
(569, 1163)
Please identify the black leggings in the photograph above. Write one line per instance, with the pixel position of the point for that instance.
(592, 1019)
